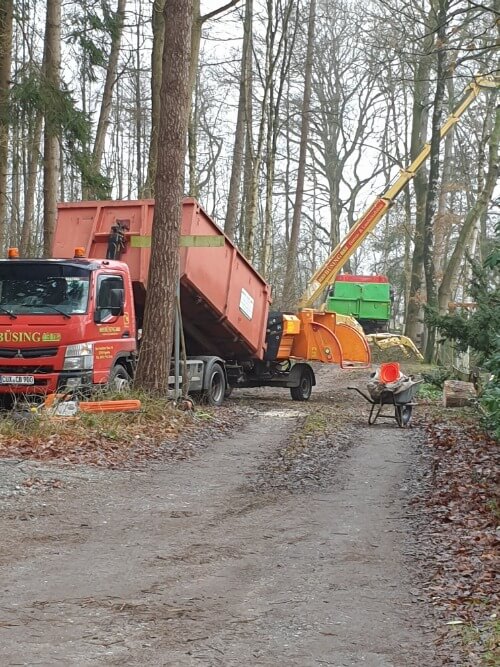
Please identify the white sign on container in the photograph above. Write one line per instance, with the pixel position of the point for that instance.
(246, 304)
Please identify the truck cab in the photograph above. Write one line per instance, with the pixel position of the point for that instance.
(64, 324)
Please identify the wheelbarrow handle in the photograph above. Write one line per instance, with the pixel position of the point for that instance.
(365, 396)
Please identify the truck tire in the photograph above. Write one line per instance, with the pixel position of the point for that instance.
(119, 379)
(216, 386)
(304, 389)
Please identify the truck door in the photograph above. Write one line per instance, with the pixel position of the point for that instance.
(112, 319)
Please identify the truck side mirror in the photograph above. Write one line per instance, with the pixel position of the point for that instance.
(116, 301)
(110, 303)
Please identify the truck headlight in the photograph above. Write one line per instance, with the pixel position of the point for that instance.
(79, 357)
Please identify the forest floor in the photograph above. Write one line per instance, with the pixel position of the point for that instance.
(279, 533)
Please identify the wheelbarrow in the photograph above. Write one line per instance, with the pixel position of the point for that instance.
(403, 400)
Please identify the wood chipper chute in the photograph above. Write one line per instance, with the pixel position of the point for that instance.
(319, 336)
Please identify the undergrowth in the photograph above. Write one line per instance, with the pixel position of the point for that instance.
(105, 438)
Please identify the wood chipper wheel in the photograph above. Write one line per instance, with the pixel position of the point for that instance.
(304, 390)
(403, 415)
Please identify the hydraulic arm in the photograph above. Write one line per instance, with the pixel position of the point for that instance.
(326, 274)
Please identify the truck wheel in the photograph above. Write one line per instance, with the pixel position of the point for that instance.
(119, 379)
(214, 393)
(303, 391)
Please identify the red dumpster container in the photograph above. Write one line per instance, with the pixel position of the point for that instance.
(224, 301)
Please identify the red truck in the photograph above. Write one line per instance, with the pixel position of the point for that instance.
(74, 321)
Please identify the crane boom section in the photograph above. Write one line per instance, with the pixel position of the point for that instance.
(326, 274)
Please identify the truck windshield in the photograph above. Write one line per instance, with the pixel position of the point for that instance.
(44, 288)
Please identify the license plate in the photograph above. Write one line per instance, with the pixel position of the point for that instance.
(17, 379)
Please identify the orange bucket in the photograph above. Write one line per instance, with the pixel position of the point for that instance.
(389, 372)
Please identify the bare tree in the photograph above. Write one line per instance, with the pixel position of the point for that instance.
(472, 218)
(158, 23)
(433, 182)
(289, 292)
(233, 199)
(278, 75)
(109, 84)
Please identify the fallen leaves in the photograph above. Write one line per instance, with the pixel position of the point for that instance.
(461, 507)
(111, 440)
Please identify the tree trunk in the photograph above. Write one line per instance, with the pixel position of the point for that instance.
(246, 232)
(107, 95)
(12, 235)
(193, 116)
(250, 150)
(6, 12)
(233, 199)
(418, 138)
(432, 190)
(443, 227)
(51, 65)
(158, 24)
(194, 184)
(29, 202)
(138, 105)
(289, 291)
(156, 345)
(471, 219)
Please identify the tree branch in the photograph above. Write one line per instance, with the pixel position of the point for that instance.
(216, 12)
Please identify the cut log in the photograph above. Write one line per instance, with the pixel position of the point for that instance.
(457, 394)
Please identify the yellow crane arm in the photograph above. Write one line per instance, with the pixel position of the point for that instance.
(327, 273)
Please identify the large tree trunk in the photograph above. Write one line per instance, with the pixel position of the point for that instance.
(156, 346)
(51, 65)
(6, 11)
(434, 165)
(158, 24)
(289, 291)
(471, 219)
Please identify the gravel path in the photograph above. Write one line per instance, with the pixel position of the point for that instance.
(282, 544)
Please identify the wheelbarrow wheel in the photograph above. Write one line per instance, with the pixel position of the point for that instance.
(403, 415)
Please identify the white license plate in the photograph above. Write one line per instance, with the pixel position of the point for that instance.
(17, 379)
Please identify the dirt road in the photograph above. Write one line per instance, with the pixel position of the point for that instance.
(283, 544)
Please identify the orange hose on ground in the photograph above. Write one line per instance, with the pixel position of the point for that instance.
(130, 405)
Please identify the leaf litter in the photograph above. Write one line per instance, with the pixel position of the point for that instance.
(459, 505)
(158, 432)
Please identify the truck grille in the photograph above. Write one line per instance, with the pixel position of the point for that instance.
(28, 353)
(28, 370)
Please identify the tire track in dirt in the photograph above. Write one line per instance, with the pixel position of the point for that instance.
(207, 563)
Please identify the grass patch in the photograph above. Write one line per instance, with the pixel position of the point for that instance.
(483, 639)
(430, 392)
(315, 422)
